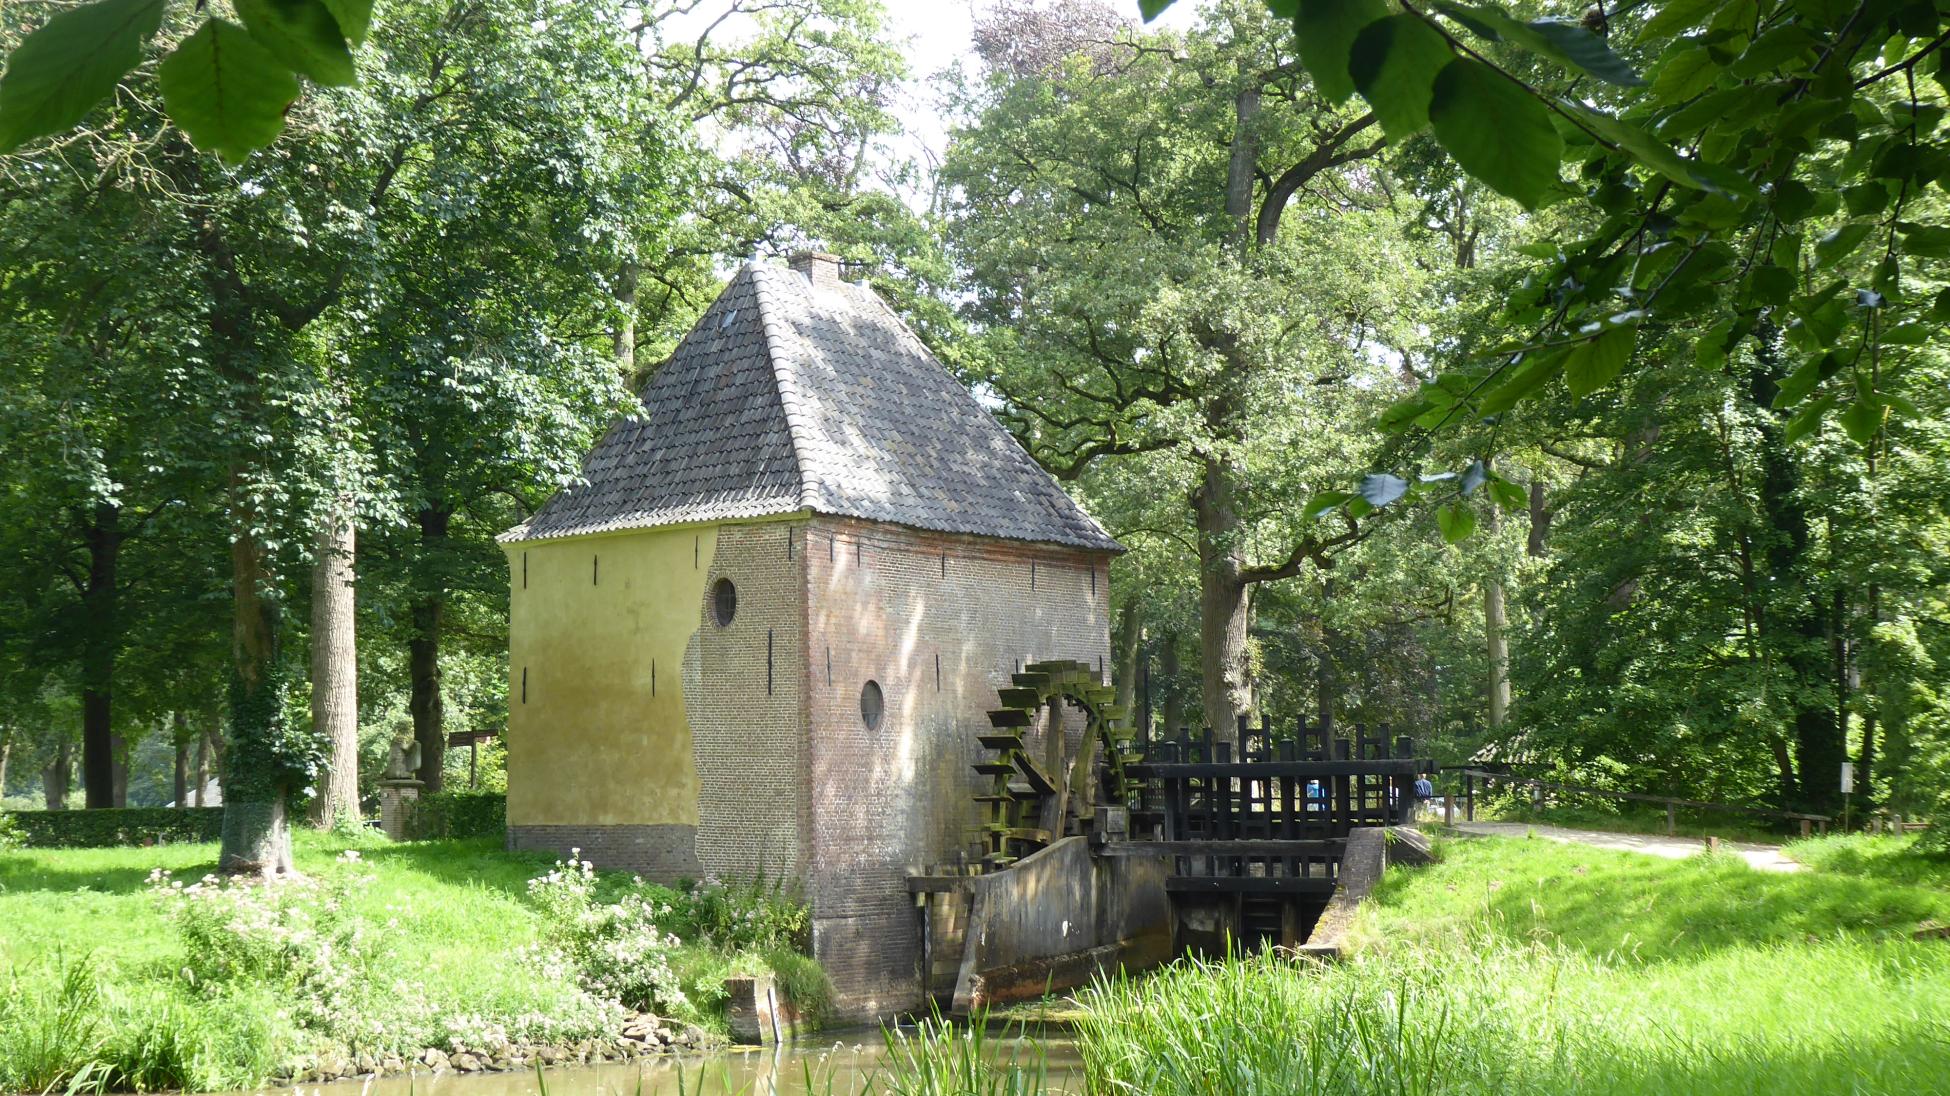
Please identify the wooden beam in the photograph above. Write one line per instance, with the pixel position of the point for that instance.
(1275, 848)
(1225, 884)
(1262, 770)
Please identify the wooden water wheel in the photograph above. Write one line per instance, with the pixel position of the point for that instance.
(1032, 802)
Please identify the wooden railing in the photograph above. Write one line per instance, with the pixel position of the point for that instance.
(1809, 822)
(1263, 813)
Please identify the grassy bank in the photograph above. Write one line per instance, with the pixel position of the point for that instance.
(112, 976)
(1526, 966)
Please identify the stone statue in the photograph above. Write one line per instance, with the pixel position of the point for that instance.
(405, 761)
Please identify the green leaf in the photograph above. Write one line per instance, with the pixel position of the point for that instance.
(1796, 386)
(226, 91)
(1928, 241)
(1324, 502)
(301, 33)
(1773, 49)
(1508, 496)
(1326, 30)
(1772, 284)
(1380, 488)
(1594, 363)
(1710, 349)
(1675, 16)
(1527, 379)
(1566, 43)
(1862, 421)
(1644, 147)
(1865, 199)
(1151, 9)
(57, 74)
(355, 16)
(1394, 64)
(1833, 246)
(1806, 420)
(1685, 73)
(1496, 130)
(1457, 522)
(1907, 334)
(1474, 476)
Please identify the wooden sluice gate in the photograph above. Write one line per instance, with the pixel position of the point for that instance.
(1255, 829)
(1099, 848)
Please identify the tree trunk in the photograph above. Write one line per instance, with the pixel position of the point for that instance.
(623, 339)
(1225, 602)
(6, 751)
(179, 737)
(205, 748)
(54, 778)
(423, 660)
(1540, 521)
(1495, 632)
(1130, 641)
(1173, 716)
(118, 752)
(1792, 620)
(1327, 675)
(256, 831)
(99, 633)
(1865, 765)
(335, 669)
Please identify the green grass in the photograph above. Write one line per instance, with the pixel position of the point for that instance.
(95, 986)
(1895, 860)
(1528, 966)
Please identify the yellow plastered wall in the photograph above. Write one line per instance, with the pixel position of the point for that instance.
(592, 739)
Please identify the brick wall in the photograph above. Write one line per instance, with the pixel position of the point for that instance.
(939, 622)
(663, 853)
(744, 693)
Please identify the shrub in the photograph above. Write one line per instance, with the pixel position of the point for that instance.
(736, 916)
(617, 951)
(459, 814)
(107, 828)
(11, 835)
(298, 938)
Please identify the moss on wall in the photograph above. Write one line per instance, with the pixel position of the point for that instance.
(597, 629)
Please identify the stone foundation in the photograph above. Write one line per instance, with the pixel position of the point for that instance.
(662, 854)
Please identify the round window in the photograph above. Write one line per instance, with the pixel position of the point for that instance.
(872, 705)
(724, 601)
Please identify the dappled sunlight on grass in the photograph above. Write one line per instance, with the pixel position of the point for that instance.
(1528, 966)
(1644, 909)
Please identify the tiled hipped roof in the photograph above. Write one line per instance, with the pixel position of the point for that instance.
(792, 396)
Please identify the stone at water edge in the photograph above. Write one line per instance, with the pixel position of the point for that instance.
(467, 1063)
(436, 1059)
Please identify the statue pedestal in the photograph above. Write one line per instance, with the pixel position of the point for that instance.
(396, 800)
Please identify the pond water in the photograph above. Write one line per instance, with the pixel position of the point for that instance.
(846, 1063)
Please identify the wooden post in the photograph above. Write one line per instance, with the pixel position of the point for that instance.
(1713, 844)
(1448, 810)
(1469, 797)
(1341, 816)
(1672, 820)
(1806, 828)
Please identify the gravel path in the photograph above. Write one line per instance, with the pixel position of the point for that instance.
(1760, 857)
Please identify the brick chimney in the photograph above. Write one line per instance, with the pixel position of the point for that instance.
(819, 267)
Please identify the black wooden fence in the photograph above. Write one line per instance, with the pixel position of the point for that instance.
(1263, 811)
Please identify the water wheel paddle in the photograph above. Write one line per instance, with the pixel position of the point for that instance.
(1026, 807)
